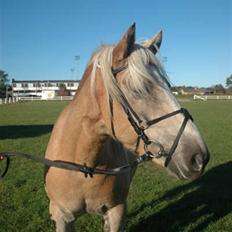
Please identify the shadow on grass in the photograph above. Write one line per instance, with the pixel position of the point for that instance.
(209, 200)
(23, 131)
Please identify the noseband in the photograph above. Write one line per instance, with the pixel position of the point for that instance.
(140, 126)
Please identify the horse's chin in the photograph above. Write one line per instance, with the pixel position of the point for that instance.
(178, 175)
(181, 173)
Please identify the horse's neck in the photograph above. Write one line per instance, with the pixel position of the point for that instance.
(80, 132)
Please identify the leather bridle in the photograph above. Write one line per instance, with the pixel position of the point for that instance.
(140, 126)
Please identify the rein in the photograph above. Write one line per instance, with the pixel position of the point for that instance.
(140, 125)
(88, 171)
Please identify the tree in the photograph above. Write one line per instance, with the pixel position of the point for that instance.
(3, 85)
(219, 88)
(229, 81)
(3, 79)
(62, 86)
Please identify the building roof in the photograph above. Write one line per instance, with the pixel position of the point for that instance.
(44, 81)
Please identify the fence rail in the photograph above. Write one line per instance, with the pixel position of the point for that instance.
(16, 99)
(212, 97)
(8, 100)
(56, 98)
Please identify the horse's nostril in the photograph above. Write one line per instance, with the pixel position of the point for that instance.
(197, 162)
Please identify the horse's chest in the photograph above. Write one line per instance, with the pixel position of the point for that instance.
(107, 195)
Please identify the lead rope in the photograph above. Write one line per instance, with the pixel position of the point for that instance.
(7, 165)
(86, 170)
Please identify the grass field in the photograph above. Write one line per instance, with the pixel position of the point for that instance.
(156, 201)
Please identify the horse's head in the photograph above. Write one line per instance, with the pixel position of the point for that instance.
(142, 105)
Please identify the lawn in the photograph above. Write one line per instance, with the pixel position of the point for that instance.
(156, 201)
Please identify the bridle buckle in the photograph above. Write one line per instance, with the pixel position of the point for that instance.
(143, 124)
(186, 114)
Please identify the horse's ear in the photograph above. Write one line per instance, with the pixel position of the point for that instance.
(154, 43)
(124, 48)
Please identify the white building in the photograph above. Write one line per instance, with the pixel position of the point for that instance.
(39, 88)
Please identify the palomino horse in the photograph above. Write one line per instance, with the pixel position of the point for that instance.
(123, 87)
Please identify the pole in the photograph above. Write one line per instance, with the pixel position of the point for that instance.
(72, 71)
(77, 58)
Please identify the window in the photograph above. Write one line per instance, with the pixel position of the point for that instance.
(70, 84)
(48, 84)
(36, 84)
(24, 85)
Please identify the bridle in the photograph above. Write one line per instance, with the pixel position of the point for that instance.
(140, 126)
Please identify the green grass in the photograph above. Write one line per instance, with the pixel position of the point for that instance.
(156, 201)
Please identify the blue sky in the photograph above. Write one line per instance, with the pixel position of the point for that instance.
(40, 39)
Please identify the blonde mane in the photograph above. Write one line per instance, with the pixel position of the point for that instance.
(144, 72)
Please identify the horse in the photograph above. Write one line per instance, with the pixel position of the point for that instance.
(108, 124)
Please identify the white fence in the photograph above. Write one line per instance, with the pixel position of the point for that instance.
(8, 100)
(212, 97)
(56, 98)
(16, 99)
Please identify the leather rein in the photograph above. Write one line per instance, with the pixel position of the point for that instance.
(139, 127)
